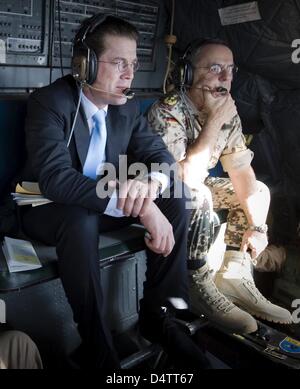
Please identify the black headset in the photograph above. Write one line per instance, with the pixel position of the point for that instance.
(84, 59)
(183, 73)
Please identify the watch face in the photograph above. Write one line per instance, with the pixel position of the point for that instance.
(262, 229)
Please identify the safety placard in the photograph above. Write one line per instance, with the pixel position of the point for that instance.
(239, 13)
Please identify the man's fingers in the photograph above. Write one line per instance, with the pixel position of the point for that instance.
(161, 245)
(253, 253)
(136, 198)
(123, 191)
(244, 247)
(128, 206)
(169, 245)
(152, 192)
(145, 206)
(157, 243)
(137, 206)
(130, 201)
(152, 245)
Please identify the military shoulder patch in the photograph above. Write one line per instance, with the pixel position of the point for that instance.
(171, 100)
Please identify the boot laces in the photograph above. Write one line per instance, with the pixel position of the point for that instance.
(254, 290)
(211, 293)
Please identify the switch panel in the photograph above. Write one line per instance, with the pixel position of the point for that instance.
(23, 32)
(141, 13)
(36, 38)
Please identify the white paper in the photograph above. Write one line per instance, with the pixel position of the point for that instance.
(239, 13)
(20, 255)
(29, 194)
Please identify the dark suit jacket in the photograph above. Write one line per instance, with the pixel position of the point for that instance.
(58, 170)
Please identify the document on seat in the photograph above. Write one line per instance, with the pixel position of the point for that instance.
(29, 194)
(20, 255)
(28, 187)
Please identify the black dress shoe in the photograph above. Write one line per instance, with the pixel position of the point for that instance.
(162, 328)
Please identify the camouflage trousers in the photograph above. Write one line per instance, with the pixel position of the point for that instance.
(216, 193)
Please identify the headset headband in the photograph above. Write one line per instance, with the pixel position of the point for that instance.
(89, 26)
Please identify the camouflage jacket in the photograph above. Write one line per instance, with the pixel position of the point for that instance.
(179, 123)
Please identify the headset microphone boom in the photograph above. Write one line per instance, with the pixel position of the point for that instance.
(127, 93)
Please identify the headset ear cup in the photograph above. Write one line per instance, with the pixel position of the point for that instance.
(189, 73)
(84, 64)
(80, 62)
(92, 67)
(183, 73)
(178, 75)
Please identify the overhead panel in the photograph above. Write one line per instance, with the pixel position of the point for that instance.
(69, 14)
(23, 32)
(36, 38)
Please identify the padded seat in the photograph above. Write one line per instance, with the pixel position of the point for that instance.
(114, 245)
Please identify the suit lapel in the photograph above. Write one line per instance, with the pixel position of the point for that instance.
(82, 136)
(115, 125)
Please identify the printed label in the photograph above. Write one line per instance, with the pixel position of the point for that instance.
(239, 13)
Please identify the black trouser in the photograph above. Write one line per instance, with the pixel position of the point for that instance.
(75, 232)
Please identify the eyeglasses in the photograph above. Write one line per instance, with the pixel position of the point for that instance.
(217, 68)
(123, 65)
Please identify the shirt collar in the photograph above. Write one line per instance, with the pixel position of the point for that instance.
(90, 108)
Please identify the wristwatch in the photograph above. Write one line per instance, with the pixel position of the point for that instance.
(263, 228)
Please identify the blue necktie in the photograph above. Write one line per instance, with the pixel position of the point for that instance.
(96, 152)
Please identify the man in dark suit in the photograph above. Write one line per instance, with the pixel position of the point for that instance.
(69, 175)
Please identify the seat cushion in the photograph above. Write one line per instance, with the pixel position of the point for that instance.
(114, 245)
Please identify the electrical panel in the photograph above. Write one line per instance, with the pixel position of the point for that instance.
(36, 38)
(141, 13)
(23, 32)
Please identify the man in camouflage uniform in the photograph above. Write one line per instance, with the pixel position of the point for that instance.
(200, 126)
